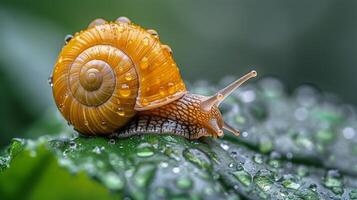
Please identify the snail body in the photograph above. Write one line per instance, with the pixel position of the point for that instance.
(116, 77)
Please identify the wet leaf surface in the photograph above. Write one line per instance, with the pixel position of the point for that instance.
(301, 146)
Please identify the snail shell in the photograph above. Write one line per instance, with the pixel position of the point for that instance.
(111, 70)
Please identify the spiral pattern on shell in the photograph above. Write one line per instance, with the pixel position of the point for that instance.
(108, 72)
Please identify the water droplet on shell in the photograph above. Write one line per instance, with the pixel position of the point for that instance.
(146, 41)
(153, 33)
(144, 64)
(124, 90)
(121, 112)
(50, 81)
(68, 38)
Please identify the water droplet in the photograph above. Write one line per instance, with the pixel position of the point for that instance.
(128, 77)
(162, 91)
(243, 177)
(240, 167)
(176, 170)
(124, 90)
(333, 180)
(144, 64)
(164, 164)
(258, 158)
(304, 142)
(224, 146)
(72, 145)
(289, 155)
(121, 111)
(65, 162)
(111, 141)
(274, 159)
(146, 41)
(123, 20)
(306, 194)
(98, 150)
(348, 132)
(290, 184)
(112, 181)
(144, 150)
(325, 136)
(265, 145)
(302, 171)
(172, 88)
(68, 38)
(171, 153)
(104, 123)
(353, 194)
(184, 182)
(263, 180)
(167, 48)
(197, 157)
(153, 33)
(144, 102)
(50, 81)
(313, 187)
(16, 146)
(230, 165)
(144, 174)
(274, 163)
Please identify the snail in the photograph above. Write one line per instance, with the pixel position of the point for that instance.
(118, 78)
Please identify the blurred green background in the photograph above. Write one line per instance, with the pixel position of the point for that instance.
(297, 41)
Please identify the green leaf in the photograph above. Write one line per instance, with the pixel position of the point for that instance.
(36, 174)
(297, 147)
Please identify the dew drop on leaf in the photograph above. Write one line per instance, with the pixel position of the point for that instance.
(144, 150)
(184, 182)
(243, 177)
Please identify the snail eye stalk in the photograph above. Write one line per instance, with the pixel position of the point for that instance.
(231, 129)
(213, 125)
(219, 97)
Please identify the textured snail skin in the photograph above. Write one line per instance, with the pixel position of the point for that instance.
(116, 78)
(181, 117)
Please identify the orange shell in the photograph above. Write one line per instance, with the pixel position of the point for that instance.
(108, 72)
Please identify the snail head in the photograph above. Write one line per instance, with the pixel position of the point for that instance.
(211, 104)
